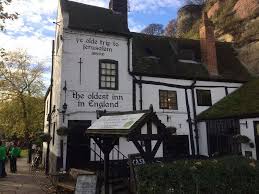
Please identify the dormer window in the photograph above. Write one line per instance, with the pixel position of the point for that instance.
(187, 54)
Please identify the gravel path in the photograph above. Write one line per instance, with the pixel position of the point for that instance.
(25, 181)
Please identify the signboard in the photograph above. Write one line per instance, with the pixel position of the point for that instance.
(116, 121)
(87, 100)
(136, 160)
(86, 184)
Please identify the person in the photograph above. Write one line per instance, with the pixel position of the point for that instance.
(14, 154)
(2, 160)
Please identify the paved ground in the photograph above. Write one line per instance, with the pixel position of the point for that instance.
(24, 181)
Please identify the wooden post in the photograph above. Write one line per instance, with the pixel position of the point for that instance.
(106, 173)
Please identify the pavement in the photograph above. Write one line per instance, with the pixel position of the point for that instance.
(25, 181)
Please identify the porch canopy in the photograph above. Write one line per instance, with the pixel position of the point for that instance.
(136, 126)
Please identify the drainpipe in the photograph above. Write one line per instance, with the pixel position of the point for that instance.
(190, 123)
(195, 119)
(50, 109)
(133, 77)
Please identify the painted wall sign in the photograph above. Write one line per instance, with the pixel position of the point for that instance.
(116, 122)
(98, 100)
(97, 46)
(86, 184)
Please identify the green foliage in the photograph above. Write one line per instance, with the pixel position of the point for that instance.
(224, 175)
(12, 121)
(194, 31)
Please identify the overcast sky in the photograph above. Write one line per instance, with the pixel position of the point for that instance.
(34, 29)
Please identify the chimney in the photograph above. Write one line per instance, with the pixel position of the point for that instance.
(120, 6)
(208, 47)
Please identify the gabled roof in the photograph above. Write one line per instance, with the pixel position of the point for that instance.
(243, 103)
(158, 56)
(97, 19)
(128, 129)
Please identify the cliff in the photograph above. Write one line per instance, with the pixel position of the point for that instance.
(235, 21)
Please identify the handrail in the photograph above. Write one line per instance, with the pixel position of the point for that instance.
(101, 159)
(123, 156)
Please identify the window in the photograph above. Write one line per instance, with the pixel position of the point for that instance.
(168, 99)
(203, 97)
(108, 75)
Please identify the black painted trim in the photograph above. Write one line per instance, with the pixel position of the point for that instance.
(226, 91)
(256, 139)
(190, 78)
(140, 94)
(189, 122)
(195, 122)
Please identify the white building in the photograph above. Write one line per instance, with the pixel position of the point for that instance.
(98, 64)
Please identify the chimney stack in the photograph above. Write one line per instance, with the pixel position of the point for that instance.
(120, 6)
(208, 47)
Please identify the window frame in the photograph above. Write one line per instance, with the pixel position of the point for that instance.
(101, 61)
(199, 101)
(176, 99)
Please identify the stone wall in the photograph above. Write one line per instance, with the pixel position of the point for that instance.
(246, 8)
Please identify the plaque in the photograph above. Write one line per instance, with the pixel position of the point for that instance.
(86, 184)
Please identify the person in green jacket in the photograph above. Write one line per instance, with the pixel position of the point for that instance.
(2, 159)
(14, 154)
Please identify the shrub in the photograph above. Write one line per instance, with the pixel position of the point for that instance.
(233, 174)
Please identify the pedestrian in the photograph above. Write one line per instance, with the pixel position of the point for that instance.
(14, 154)
(2, 160)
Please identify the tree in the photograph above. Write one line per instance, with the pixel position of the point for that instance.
(170, 29)
(22, 83)
(4, 15)
(195, 2)
(154, 29)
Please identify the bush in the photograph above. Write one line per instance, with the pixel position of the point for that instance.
(233, 174)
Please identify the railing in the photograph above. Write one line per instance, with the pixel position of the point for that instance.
(123, 156)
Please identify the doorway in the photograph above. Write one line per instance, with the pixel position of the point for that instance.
(78, 144)
(256, 127)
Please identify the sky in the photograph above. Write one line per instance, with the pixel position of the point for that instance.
(34, 30)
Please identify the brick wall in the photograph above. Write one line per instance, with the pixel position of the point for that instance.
(245, 8)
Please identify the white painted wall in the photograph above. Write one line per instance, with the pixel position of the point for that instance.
(249, 132)
(203, 143)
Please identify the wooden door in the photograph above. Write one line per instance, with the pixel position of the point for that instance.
(78, 151)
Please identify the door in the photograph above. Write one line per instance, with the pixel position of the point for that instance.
(78, 144)
(256, 126)
(176, 146)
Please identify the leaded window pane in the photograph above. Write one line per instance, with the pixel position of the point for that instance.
(168, 99)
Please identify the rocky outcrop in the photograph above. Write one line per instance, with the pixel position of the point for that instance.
(235, 21)
(187, 16)
(246, 8)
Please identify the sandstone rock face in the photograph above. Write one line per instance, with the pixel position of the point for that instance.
(246, 8)
(249, 55)
(187, 16)
(215, 8)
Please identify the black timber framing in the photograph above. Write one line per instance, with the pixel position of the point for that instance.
(107, 138)
(189, 122)
(106, 145)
